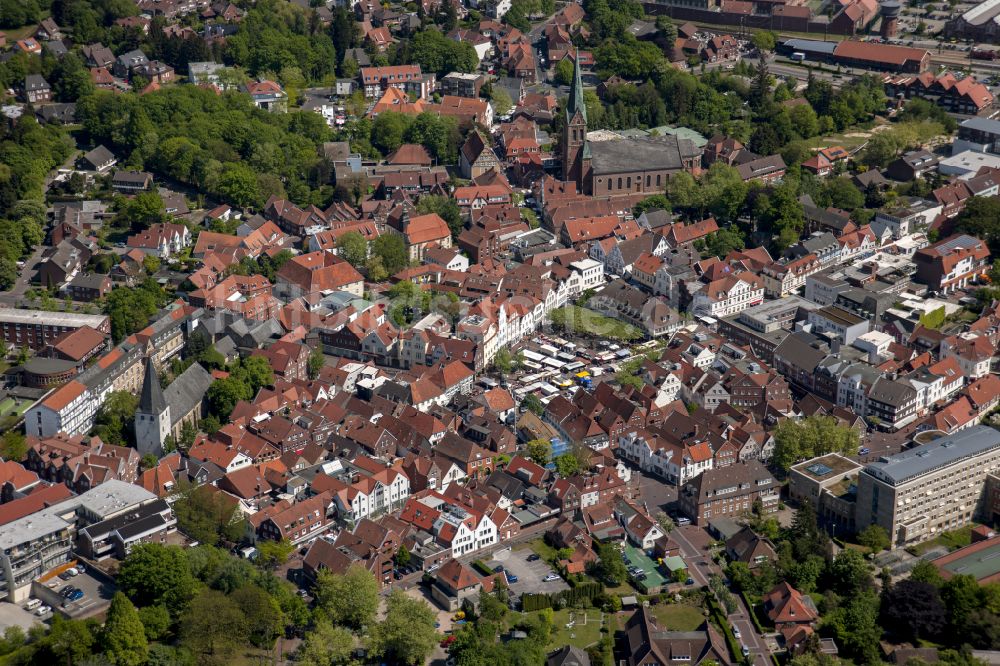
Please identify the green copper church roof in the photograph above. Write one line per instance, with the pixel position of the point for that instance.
(576, 102)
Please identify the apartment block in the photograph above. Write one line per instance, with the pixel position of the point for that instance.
(34, 544)
(37, 328)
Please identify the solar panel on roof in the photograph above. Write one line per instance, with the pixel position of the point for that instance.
(956, 242)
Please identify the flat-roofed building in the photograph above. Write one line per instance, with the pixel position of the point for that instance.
(37, 328)
(980, 560)
(839, 323)
(830, 483)
(924, 491)
(35, 544)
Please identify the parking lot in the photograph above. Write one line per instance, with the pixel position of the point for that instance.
(529, 574)
(96, 595)
(636, 558)
(15, 615)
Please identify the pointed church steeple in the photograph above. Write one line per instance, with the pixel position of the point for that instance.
(576, 102)
(574, 148)
(152, 418)
(151, 399)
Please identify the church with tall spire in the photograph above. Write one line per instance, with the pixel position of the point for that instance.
(574, 150)
(618, 165)
(162, 413)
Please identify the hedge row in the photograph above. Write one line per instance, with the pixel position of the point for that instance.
(481, 567)
(587, 590)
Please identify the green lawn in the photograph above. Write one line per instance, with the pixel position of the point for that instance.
(14, 34)
(544, 550)
(951, 540)
(586, 629)
(678, 617)
(849, 139)
(7, 406)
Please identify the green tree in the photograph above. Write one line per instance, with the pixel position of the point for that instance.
(402, 556)
(609, 566)
(392, 252)
(539, 450)
(850, 572)
(501, 101)
(407, 635)
(207, 516)
(274, 553)
(503, 362)
(316, 362)
(114, 420)
(665, 522)
(350, 598)
(764, 40)
(567, 465)
(238, 183)
(446, 208)
(123, 638)
(811, 436)
(155, 622)
(263, 616)
(214, 628)
(353, 247)
(655, 202)
(150, 264)
(533, 404)
(153, 573)
(13, 446)
(804, 120)
(960, 594)
(564, 71)
(326, 645)
(69, 640)
(981, 217)
(925, 572)
(875, 538)
(223, 394)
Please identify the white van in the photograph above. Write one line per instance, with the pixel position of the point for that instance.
(32, 604)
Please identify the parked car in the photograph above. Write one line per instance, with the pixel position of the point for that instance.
(534, 557)
(745, 650)
(498, 568)
(42, 610)
(550, 577)
(863, 451)
(76, 596)
(66, 590)
(689, 581)
(511, 578)
(736, 632)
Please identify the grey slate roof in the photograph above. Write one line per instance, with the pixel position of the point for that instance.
(151, 399)
(185, 392)
(650, 154)
(939, 453)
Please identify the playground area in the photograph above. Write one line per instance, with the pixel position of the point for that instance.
(576, 627)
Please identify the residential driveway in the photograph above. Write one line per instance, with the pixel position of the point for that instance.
(529, 574)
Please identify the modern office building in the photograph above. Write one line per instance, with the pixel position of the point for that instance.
(929, 489)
